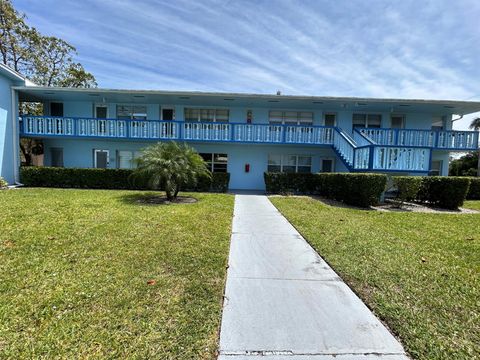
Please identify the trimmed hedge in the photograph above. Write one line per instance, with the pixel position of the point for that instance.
(287, 183)
(42, 176)
(446, 192)
(351, 188)
(87, 178)
(407, 187)
(474, 189)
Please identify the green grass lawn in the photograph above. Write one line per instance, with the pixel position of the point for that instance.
(472, 204)
(419, 272)
(74, 267)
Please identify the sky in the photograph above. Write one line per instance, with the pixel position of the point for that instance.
(366, 48)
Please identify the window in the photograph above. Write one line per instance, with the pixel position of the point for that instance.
(101, 111)
(168, 113)
(330, 119)
(126, 159)
(216, 162)
(327, 165)
(398, 121)
(438, 123)
(436, 168)
(289, 163)
(367, 120)
(290, 117)
(56, 109)
(132, 112)
(56, 155)
(206, 115)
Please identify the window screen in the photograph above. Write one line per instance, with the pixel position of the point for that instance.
(206, 115)
(398, 121)
(330, 119)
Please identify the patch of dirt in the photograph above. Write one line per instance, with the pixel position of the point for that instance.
(162, 200)
(392, 206)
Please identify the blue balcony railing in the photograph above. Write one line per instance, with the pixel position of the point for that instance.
(435, 139)
(176, 130)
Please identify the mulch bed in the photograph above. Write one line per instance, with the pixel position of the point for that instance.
(162, 200)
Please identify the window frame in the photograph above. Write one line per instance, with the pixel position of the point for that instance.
(443, 121)
(135, 155)
(283, 163)
(58, 150)
(95, 151)
(329, 113)
(431, 171)
(367, 118)
(328, 159)
(284, 118)
(95, 106)
(62, 107)
(206, 109)
(211, 163)
(403, 116)
(167, 107)
(132, 117)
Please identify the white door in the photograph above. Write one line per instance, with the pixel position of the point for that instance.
(100, 159)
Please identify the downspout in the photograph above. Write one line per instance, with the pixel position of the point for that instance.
(16, 139)
(460, 118)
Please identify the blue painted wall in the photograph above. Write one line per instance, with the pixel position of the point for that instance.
(7, 151)
(79, 153)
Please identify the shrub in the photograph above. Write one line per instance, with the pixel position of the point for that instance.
(77, 178)
(474, 189)
(35, 176)
(285, 183)
(3, 183)
(170, 166)
(218, 182)
(446, 192)
(352, 188)
(407, 187)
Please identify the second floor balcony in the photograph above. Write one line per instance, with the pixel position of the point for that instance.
(49, 126)
(175, 130)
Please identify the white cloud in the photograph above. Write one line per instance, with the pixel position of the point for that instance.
(352, 48)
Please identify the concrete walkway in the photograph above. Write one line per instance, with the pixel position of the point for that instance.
(283, 302)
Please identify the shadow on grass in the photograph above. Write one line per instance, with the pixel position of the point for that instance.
(154, 198)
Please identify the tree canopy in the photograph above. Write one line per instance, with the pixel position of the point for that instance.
(45, 60)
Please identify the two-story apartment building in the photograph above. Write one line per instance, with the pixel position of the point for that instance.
(244, 134)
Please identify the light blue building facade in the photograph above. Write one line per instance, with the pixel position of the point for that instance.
(244, 134)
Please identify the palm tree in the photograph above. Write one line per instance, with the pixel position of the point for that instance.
(170, 166)
(475, 125)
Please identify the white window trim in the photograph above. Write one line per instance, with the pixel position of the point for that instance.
(366, 117)
(330, 113)
(440, 170)
(282, 157)
(212, 162)
(95, 106)
(167, 107)
(207, 108)
(95, 157)
(117, 157)
(404, 120)
(132, 104)
(327, 158)
(298, 122)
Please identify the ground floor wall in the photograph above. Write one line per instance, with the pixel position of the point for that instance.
(80, 153)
